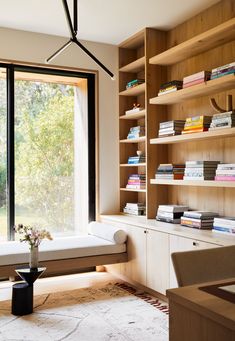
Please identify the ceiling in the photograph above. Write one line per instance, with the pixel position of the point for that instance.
(107, 21)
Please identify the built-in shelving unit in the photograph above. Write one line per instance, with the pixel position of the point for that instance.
(209, 49)
(205, 41)
(134, 54)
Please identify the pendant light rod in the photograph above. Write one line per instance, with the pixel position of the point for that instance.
(68, 18)
(73, 31)
(58, 52)
(75, 17)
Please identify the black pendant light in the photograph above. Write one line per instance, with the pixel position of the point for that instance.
(73, 39)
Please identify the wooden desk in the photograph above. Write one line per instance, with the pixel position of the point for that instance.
(196, 315)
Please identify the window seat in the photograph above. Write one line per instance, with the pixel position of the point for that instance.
(103, 245)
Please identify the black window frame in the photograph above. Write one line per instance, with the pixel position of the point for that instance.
(91, 104)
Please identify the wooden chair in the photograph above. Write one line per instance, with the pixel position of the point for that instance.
(198, 266)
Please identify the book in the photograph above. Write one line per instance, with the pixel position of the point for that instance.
(200, 214)
(222, 67)
(201, 162)
(167, 92)
(224, 178)
(198, 130)
(173, 208)
(168, 220)
(195, 82)
(198, 75)
(225, 221)
(171, 83)
(133, 111)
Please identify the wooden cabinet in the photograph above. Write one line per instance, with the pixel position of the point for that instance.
(157, 261)
(178, 244)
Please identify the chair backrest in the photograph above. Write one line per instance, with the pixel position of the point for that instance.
(198, 266)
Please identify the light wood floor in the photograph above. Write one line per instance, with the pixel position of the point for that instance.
(61, 283)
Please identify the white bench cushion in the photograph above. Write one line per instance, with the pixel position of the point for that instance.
(60, 248)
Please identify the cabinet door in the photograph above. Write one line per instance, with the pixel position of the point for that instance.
(135, 269)
(157, 261)
(184, 244)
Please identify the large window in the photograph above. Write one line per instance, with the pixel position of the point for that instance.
(51, 150)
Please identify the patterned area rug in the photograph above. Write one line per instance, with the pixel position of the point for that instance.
(115, 312)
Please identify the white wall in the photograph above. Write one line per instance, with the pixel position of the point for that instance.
(35, 48)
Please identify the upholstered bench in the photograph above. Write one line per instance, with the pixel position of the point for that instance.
(103, 245)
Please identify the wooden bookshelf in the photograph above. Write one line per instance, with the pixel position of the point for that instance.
(135, 91)
(134, 116)
(197, 183)
(208, 40)
(133, 165)
(220, 133)
(135, 66)
(140, 139)
(207, 88)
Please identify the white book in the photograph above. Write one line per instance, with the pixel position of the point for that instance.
(133, 111)
(173, 208)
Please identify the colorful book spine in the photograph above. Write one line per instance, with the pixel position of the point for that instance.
(224, 178)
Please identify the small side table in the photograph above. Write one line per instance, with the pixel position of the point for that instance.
(22, 293)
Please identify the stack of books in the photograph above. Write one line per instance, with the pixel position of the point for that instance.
(171, 128)
(224, 225)
(170, 87)
(225, 172)
(198, 219)
(136, 181)
(200, 170)
(138, 208)
(136, 108)
(196, 78)
(223, 120)
(136, 132)
(133, 160)
(134, 83)
(196, 124)
(170, 213)
(223, 70)
(170, 171)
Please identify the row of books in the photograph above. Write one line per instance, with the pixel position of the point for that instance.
(133, 160)
(196, 170)
(136, 108)
(196, 78)
(197, 124)
(223, 70)
(134, 83)
(171, 86)
(204, 220)
(137, 209)
(225, 172)
(223, 120)
(170, 171)
(200, 170)
(136, 181)
(136, 132)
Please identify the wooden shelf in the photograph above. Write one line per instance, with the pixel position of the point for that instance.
(133, 165)
(135, 66)
(226, 132)
(140, 139)
(133, 190)
(198, 183)
(134, 116)
(211, 87)
(135, 91)
(205, 41)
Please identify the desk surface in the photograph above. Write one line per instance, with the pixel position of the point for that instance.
(210, 306)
